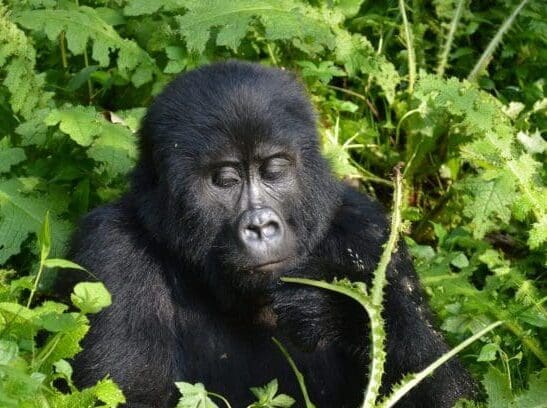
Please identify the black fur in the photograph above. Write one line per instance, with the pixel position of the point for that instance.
(187, 303)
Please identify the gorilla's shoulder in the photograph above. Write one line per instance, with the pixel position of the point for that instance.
(109, 221)
(107, 238)
(361, 213)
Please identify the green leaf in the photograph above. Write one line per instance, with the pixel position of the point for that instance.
(144, 7)
(60, 322)
(460, 261)
(359, 56)
(64, 368)
(44, 238)
(194, 396)
(17, 63)
(22, 214)
(325, 71)
(8, 351)
(267, 399)
(83, 24)
(535, 395)
(281, 19)
(497, 387)
(81, 123)
(62, 263)
(493, 194)
(109, 393)
(488, 352)
(10, 157)
(90, 297)
(115, 148)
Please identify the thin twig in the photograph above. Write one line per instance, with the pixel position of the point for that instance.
(297, 373)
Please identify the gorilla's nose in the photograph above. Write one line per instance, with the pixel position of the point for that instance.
(260, 227)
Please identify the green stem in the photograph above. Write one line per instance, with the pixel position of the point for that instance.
(406, 386)
(530, 342)
(62, 46)
(357, 95)
(398, 128)
(485, 58)
(220, 397)
(373, 303)
(380, 280)
(378, 334)
(297, 373)
(448, 44)
(36, 282)
(272, 55)
(410, 48)
(378, 360)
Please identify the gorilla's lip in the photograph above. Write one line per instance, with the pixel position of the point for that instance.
(264, 267)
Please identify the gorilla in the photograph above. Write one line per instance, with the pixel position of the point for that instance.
(229, 194)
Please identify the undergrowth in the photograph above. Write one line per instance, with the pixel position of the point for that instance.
(452, 88)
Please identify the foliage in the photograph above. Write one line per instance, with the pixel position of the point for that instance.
(37, 340)
(76, 76)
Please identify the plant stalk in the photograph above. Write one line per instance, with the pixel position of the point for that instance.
(409, 47)
(403, 389)
(448, 44)
(297, 373)
(485, 58)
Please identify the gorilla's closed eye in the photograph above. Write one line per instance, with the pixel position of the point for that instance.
(274, 168)
(225, 177)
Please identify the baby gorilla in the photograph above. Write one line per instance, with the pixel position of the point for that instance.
(230, 193)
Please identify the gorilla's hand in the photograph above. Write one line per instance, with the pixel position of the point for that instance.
(301, 313)
(309, 315)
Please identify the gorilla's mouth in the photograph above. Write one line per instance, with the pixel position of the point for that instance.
(269, 266)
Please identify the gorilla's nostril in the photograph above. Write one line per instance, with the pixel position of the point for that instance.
(270, 229)
(252, 232)
(260, 226)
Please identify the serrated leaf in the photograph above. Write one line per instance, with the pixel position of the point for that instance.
(60, 322)
(84, 24)
(538, 233)
(81, 123)
(194, 396)
(115, 148)
(18, 59)
(145, 7)
(492, 200)
(10, 157)
(359, 56)
(109, 393)
(535, 395)
(21, 215)
(281, 19)
(498, 389)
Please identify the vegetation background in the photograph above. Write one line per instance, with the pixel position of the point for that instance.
(455, 89)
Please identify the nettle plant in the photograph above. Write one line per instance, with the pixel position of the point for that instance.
(76, 76)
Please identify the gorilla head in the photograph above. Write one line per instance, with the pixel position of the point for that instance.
(235, 183)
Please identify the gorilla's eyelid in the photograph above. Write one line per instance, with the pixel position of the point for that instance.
(280, 155)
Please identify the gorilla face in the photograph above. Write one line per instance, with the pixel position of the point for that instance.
(238, 183)
(255, 193)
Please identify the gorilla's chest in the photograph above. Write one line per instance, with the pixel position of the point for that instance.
(230, 355)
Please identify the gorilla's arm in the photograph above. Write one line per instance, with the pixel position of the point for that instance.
(352, 249)
(132, 340)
